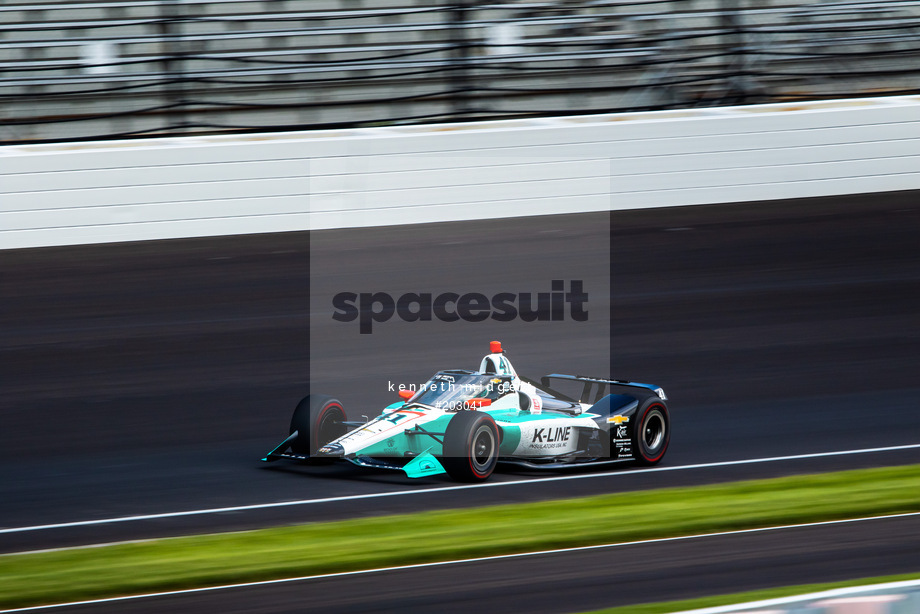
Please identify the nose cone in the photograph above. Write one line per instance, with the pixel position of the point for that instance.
(332, 450)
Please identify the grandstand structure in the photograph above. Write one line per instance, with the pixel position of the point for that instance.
(89, 69)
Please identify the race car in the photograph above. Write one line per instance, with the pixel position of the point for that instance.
(464, 423)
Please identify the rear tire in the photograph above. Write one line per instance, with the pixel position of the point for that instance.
(470, 446)
(652, 433)
(318, 419)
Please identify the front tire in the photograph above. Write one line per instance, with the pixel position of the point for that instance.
(318, 419)
(470, 446)
(652, 433)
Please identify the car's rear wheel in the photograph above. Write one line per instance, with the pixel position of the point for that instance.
(470, 446)
(318, 419)
(652, 433)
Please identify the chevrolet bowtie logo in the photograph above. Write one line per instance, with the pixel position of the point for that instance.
(618, 419)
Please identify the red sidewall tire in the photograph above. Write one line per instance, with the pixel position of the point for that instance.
(471, 442)
(652, 432)
(318, 419)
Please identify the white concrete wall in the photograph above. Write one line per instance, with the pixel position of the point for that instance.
(199, 186)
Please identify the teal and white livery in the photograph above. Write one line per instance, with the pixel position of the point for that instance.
(466, 422)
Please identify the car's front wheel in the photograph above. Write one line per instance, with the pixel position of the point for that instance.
(470, 446)
(318, 419)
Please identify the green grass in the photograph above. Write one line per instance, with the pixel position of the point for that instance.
(68, 575)
(740, 598)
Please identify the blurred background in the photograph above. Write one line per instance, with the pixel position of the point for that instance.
(116, 68)
(148, 377)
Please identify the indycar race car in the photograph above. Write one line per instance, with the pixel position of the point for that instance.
(465, 422)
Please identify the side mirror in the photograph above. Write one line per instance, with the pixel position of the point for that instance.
(479, 402)
(405, 395)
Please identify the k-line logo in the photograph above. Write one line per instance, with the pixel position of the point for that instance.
(549, 435)
(370, 307)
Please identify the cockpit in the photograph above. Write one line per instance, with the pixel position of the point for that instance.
(450, 390)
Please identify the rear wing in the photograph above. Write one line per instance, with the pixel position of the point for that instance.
(597, 388)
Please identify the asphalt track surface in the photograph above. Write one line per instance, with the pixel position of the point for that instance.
(149, 378)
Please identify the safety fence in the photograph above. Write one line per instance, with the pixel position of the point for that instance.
(123, 68)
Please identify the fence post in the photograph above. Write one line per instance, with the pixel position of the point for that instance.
(460, 82)
(172, 58)
(739, 88)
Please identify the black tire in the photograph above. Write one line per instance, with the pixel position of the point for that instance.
(471, 443)
(318, 419)
(652, 432)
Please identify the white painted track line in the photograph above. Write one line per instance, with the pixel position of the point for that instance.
(425, 491)
(661, 540)
(796, 599)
